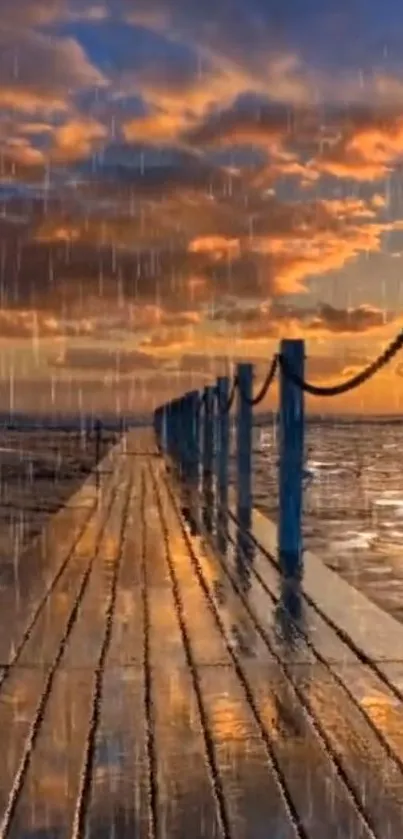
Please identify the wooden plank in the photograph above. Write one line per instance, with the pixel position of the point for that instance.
(183, 801)
(42, 642)
(126, 646)
(82, 650)
(47, 800)
(119, 802)
(251, 787)
(91, 632)
(120, 793)
(377, 780)
(33, 576)
(34, 704)
(378, 702)
(321, 795)
(329, 690)
(28, 690)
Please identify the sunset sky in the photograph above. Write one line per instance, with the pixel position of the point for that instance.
(184, 182)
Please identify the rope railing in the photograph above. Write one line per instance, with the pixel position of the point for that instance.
(195, 430)
(265, 386)
(224, 408)
(343, 387)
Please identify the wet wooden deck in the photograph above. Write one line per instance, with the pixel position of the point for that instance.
(151, 688)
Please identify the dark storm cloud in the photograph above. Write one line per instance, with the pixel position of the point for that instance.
(148, 169)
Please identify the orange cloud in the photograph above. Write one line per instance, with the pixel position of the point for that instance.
(219, 246)
(272, 252)
(35, 324)
(76, 139)
(364, 153)
(20, 151)
(157, 128)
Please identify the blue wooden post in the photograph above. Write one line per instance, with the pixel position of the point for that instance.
(291, 458)
(186, 433)
(158, 425)
(170, 428)
(223, 389)
(166, 425)
(98, 433)
(181, 434)
(244, 443)
(208, 430)
(208, 456)
(164, 413)
(194, 435)
(177, 430)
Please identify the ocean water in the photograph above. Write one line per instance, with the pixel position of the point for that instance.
(353, 500)
(39, 470)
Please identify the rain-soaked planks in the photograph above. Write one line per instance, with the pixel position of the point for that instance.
(152, 688)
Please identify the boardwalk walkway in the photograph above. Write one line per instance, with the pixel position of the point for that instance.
(149, 688)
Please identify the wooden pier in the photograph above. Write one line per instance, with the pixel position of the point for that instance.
(156, 683)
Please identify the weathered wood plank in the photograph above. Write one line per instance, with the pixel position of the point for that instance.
(323, 796)
(184, 800)
(251, 787)
(119, 802)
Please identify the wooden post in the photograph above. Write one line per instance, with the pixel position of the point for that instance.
(186, 434)
(244, 444)
(193, 435)
(164, 428)
(223, 390)
(208, 430)
(161, 421)
(158, 426)
(208, 456)
(170, 428)
(97, 429)
(181, 434)
(175, 429)
(223, 446)
(291, 454)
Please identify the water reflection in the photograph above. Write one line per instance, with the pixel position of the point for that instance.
(244, 548)
(289, 613)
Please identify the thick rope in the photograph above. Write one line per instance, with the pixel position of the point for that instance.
(350, 384)
(265, 386)
(225, 409)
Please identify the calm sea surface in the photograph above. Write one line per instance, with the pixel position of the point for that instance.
(353, 501)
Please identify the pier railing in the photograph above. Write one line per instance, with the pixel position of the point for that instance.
(194, 430)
